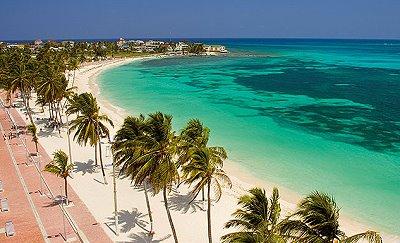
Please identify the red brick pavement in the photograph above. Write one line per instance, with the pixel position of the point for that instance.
(50, 214)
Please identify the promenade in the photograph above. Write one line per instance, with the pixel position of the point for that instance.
(34, 200)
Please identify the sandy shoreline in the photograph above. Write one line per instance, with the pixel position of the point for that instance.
(98, 197)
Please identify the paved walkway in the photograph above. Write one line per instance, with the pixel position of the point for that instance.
(49, 214)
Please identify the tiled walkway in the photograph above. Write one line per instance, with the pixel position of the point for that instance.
(49, 214)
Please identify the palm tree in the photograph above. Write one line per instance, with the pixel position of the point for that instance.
(159, 145)
(61, 168)
(33, 131)
(257, 219)
(204, 170)
(316, 220)
(73, 65)
(194, 135)
(125, 151)
(150, 154)
(89, 125)
(22, 78)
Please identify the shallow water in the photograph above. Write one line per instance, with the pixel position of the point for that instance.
(305, 114)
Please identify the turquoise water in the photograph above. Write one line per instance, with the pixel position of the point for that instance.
(305, 114)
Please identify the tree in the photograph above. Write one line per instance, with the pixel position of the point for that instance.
(126, 154)
(60, 167)
(317, 220)
(23, 77)
(33, 131)
(257, 219)
(195, 135)
(89, 125)
(205, 169)
(151, 155)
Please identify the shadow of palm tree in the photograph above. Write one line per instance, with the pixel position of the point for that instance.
(85, 167)
(128, 220)
(144, 237)
(182, 203)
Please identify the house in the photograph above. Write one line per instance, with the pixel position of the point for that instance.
(181, 47)
(120, 42)
(38, 42)
(215, 49)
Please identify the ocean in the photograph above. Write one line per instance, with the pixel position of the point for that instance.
(301, 113)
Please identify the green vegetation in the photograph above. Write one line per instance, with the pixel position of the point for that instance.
(89, 125)
(61, 168)
(257, 219)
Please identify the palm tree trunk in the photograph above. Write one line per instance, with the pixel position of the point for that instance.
(202, 194)
(101, 164)
(209, 211)
(95, 155)
(28, 111)
(36, 145)
(73, 79)
(66, 190)
(50, 112)
(148, 205)
(169, 214)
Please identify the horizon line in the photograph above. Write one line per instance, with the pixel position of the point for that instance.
(196, 38)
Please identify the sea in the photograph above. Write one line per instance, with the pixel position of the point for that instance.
(306, 114)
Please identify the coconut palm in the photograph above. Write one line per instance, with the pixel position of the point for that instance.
(194, 135)
(33, 131)
(89, 125)
(149, 154)
(126, 151)
(51, 87)
(159, 150)
(317, 220)
(73, 64)
(60, 167)
(23, 78)
(205, 169)
(257, 219)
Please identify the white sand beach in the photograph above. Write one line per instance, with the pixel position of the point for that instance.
(190, 219)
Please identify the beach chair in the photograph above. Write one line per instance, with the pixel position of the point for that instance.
(10, 231)
(4, 205)
(1, 186)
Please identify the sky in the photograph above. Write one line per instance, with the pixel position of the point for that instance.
(103, 19)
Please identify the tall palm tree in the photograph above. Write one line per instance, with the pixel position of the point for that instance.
(89, 125)
(159, 144)
(51, 88)
(73, 65)
(22, 78)
(205, 169)
(257, 219)
(33, 131)
(194, 135)
(61, 168)
(151, 154)
(316, 220)
(126, 150)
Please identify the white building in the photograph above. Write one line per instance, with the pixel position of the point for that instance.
(215, 48)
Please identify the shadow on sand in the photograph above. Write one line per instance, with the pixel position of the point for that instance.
(128, 220)
(83, 167)
(182, 203)
(144, 237)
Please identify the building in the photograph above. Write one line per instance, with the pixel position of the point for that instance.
(38, 42)
(215, 49)
(121, 42)
(181, 47)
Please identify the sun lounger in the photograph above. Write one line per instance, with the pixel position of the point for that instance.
(4, 205)
(10, 231)
(1, 186)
